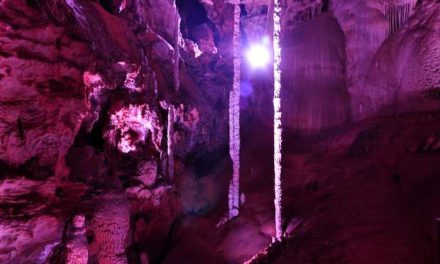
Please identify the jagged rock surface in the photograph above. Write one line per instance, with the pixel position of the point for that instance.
(41, 93)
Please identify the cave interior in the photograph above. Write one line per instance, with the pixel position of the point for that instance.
(215, 131)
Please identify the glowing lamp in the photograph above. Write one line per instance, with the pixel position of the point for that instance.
(258, 56)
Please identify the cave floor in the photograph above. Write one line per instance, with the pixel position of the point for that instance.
(362, 193)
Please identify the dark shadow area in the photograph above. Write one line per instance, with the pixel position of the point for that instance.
(325, 5)
(107, 5)
(193, 14)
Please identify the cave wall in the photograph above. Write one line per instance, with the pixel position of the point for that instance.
(84, 90)
(404, 72)
(385, 63)
(386, 50)
(315, 92)
(42, 92)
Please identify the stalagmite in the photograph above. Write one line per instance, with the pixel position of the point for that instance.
(170, 135)
(111, 224)
(234, 120)
(277, 115)
(76, 241)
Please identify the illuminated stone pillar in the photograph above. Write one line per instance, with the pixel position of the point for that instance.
(277, 116)
(234, 120)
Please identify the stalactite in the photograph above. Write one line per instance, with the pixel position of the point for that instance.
(234, 120)
(170, 129)
(277, 116)
(111, 225)
(399, 14)
(170, 136)
(299, 11)
(176, 50)
(76, 241)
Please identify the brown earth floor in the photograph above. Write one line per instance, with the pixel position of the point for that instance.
(363, 193)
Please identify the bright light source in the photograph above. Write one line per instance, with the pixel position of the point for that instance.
(258, 56)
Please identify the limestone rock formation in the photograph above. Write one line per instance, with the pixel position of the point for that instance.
(41, 92)
(85, 92)
(111, 224)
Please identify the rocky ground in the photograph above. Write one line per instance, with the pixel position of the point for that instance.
(364, 193)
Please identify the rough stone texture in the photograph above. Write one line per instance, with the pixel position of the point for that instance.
(133, 125)
(56, 72)
(374, 44)
(77, 252)
(33, 217)
(297, 12)
(366, 28)
(41, 97)
(159, 15)
(25, 230)
(97, 92)
(73, 249)
(406, 66)
(147, 173)
(204, 38)
(221, 13)
(111, 224)
(256, 23)
(106, 33)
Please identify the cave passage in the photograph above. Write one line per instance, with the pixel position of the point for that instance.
(273, 132)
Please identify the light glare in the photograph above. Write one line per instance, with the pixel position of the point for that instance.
(258, 56)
